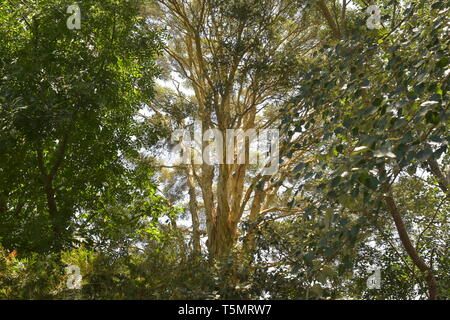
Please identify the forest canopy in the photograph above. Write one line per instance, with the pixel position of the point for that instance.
(346, 101)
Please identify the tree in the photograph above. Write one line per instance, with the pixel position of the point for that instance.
(234, 56)
(385, 114)
(68, 98)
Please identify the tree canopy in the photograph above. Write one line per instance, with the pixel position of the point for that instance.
(88, 115)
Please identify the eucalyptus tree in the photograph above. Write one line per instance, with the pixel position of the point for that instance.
(239, 58)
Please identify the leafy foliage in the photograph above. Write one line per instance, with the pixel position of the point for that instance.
(364, 178)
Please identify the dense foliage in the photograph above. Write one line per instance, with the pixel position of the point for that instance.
(364, 122)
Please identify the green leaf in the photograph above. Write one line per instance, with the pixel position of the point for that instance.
(309, 257)
(384, 154)
(424, 155)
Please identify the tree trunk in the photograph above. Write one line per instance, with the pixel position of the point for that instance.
(193, 208)
(407, 244)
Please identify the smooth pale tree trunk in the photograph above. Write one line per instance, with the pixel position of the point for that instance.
(228, 95)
